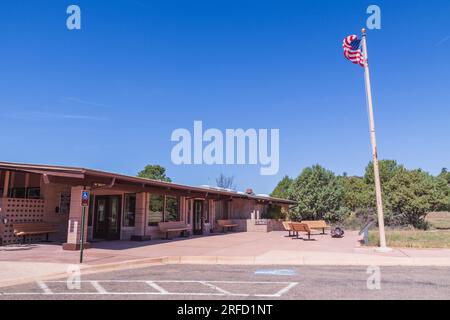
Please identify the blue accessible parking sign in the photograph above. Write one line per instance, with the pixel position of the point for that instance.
(85, 198)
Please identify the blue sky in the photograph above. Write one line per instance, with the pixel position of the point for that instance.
(109, 96)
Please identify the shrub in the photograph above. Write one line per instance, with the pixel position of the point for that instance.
(317, 192)
(412, 194)
(275, 212)
(339, 215)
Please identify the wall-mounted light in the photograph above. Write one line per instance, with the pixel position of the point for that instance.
(5, 220)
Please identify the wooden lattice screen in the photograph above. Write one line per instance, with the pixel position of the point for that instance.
(20, 211)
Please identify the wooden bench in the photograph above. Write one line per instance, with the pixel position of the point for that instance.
(33, 228)
(287, 226)
(317, 224)
(300, 227)
(174, 226)
(226, 224)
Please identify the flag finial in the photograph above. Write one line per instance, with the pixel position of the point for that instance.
(363, 30)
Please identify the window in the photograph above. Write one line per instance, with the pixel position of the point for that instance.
(64, 202)
(163, 208)
(156, 208)
(34, 193)
(129, 210)
(221, 210)
(18, 193)
(172, 212)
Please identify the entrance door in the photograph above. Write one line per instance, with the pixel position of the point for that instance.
(107, 217)
(198, 217)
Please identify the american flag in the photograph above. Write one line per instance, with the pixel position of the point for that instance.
(352, 51)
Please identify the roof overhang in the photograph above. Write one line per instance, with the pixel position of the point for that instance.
(102, 179)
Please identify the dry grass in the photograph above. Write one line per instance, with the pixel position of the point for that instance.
(439, 220)
(413, 238)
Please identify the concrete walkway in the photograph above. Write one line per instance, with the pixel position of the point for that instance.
(27, 263)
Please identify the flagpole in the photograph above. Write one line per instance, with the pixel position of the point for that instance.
(374, 147)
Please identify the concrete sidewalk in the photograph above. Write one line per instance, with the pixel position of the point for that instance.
(27, 263)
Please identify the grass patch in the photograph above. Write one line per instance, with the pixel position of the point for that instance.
(439, 220)
(413, 238)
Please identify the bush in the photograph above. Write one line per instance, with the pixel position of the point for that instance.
(339, 215)
(411, 195)
(317, 192)
(357, 219)
(275, 212)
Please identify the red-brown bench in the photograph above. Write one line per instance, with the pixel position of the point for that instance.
(301, 227)
(317, 224)
(287, 226)
(33, 228)
(226, 225)
(174, 226)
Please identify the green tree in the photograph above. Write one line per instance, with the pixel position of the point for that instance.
(317, 192)
(356, 194)
(281, 190)
(445, 175)
(155, 172)
(411, 194)
(388, 168)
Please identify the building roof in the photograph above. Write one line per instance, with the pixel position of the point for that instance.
(80, 176)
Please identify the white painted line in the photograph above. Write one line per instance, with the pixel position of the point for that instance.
(99, 288)
(222, 290)
(160, 290)
(44, 287)
(176, 281)
(114, 293)
(156, 287)
(286, 289)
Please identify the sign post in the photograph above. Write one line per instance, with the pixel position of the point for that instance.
(84, 204)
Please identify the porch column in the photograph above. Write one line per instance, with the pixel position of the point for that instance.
(74, 225)
(140, 224)
(6, 184)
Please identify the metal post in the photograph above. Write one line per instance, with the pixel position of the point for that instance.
(83, 217)
(374, 146)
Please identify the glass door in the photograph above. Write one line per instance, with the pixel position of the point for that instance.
(114, 218)
(100, 217)
(198, 217)
(107, 217)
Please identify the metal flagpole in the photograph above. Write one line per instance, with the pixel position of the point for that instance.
(374, 146)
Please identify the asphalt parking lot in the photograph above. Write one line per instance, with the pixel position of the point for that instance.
(244, 282)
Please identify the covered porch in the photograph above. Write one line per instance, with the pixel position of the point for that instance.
(120, 208)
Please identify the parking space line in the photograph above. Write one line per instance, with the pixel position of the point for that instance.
(220, 289)
(157, 287)
(279, 293)
(44, 287)
(98, 287)
(286, 289)
(160, 290)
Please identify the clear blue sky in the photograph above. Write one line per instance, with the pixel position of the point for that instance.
(109, 96)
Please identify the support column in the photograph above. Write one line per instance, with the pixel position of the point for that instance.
(74, 225)
(27, 184)
(140, 221)
(6, 184)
